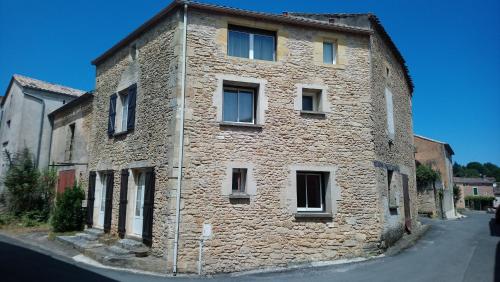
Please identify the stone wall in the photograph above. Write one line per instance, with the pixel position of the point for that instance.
(81, 116)
(427, 203)
(151, 143)
(263, 231)
(392, 152)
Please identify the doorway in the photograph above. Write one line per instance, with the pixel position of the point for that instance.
(138, 217)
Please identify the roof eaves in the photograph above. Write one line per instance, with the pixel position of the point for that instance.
(72, 103)
(222, 10)
(387, 38)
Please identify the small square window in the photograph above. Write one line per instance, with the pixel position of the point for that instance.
(239, 180)
(239, 105)
(310, 100)
(329, 52)
(310, 192)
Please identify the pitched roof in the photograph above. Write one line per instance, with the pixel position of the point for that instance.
(228, 11)
(361, 20)
(474, 180)
(46, 86)
(37, 84)
(446, 145)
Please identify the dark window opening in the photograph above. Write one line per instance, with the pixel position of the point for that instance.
(239, 180)
(71, 139)
(310, 192)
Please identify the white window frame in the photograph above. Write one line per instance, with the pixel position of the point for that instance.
(121, 118)
(251, 44)
(237, 105)
(334, 51)
(322, 199)
(389, 112)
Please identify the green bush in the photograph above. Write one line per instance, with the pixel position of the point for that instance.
(6, 218)
(479, 198)
(21, 181)
(426, 176)
(68, 214)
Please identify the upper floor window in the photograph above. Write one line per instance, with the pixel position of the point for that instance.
(311, 100)
(475, 191)
(251, 43)
(122, 111)
(329, 52)
(239, 180)
(239, 105)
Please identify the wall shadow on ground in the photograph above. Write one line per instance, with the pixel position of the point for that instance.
(495, 231)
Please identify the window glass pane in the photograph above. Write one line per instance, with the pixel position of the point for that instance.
(238, 44)
(263, 47)
(314, 191)
(236, 180)
(230, 107)
(307, 103)
(327, 53)
(124, 112)
(301, 191)
(245, 104)
(103, 193)
(138, 198)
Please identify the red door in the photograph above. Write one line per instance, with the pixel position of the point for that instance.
(66, 179)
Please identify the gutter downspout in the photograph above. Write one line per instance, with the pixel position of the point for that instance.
(51, 122)
(181, 141)
(41, 126)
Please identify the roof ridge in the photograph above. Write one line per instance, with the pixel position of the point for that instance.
(35, 83)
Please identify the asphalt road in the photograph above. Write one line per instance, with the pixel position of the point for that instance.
(458, 250)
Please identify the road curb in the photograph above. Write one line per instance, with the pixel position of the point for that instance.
(407, 241)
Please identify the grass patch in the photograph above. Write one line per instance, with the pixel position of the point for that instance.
(23, 224)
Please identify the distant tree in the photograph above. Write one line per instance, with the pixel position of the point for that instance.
(477, 166)
(458, 170)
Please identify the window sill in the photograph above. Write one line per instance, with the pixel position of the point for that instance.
(240, 124)
(334, 66)
(251, 60)
(239, 196)
(313, 113)
(301, 215)
(121, 133)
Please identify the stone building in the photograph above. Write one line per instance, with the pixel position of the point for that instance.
(437, 155)
(474, 186)
(277, 139)
(24, 121)
(71, 126)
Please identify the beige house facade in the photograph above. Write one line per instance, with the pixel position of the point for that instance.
(437, 200)
(273, 139)
(474, 186)
(71, 126)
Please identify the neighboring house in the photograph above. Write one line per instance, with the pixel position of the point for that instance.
(473, 186)
(24, 122)
(437, 155)
(277, 138)
(496, 191)
(71, 126)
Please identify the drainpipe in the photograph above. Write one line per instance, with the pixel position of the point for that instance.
(40, 132)
(51, 122)
(181, 140)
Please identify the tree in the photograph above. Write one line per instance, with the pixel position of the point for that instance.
(68, 214)
(21, 182)
(477, 166)
(426, 175)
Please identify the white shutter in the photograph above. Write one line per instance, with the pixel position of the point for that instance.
(390, 112)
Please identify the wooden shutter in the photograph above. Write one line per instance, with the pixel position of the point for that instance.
(407, 204)
(109, 201)
(112, 115)
(147, 226)
(132, 93)
(122, 213)
(66, 179)
(90, 199)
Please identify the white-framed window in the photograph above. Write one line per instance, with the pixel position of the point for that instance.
(251, 43)
(238, 105)
(311, 100)
(474, 191)
(329, 52)
(310, 192)
(390, 112)
(239, 180)
(122, 121)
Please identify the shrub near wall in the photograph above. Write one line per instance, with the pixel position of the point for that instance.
(68, 214)
(479, 202)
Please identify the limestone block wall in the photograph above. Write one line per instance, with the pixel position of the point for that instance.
(393, 152)
(151, 144)
(263, 231)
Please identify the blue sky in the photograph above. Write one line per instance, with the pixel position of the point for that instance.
(452, 49)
